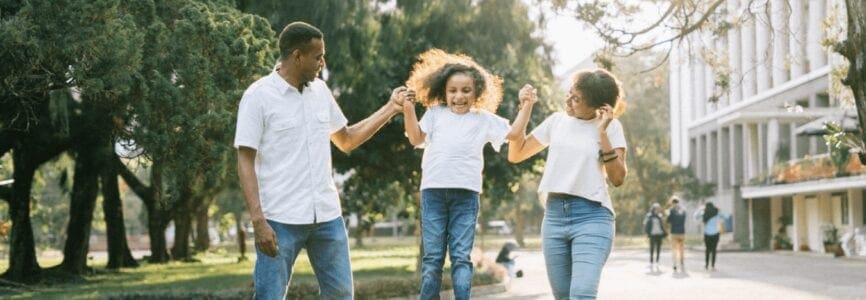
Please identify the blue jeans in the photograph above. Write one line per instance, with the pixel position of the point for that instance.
(577, 235)
(327, 247)
(448, 218)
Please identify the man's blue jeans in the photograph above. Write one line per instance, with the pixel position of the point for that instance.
(327, 247)
(577, 235)
(448, 218)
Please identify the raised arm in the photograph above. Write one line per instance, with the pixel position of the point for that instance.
(349, 138)
(613, 159)
(519, 146)
(410, 120)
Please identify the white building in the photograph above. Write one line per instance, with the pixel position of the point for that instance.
(747, 142)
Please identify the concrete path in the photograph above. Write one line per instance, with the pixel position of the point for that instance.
(738, 275)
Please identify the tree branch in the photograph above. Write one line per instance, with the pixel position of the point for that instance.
(144, 192)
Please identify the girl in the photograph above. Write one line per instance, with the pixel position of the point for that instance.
(654, 228)
(586, 146)
(460, 97)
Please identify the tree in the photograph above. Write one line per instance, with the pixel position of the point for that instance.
(682, 18)
(199, 57)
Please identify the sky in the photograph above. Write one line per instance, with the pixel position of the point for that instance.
(571, 40)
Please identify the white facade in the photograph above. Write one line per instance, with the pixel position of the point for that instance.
(776, 64)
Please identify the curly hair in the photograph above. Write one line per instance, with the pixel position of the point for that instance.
(599, 87)
(435, 67)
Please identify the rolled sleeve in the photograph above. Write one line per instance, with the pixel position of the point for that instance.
(250, 125)
(616, 135)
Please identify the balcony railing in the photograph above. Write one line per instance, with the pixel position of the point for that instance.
(810, 168)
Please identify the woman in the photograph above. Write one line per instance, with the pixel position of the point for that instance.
(655, 230)
(587, 146)
(712, 221)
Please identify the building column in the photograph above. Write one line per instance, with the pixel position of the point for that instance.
(797, 39)
(780, 31)
(699, 87)
(796, 223)
(748, 58)
(772, 143)
(734, 159)
(724, 158)
(794, 150)
(762, 50)
(750, 151)
(817, 56)
(734, 60)
(675, 99)
(686, 104)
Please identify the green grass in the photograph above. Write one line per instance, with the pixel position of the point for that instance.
(384, 261)
(215, 273)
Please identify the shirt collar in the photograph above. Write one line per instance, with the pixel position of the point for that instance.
(281, 84)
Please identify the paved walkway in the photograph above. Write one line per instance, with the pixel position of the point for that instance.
(739, 275)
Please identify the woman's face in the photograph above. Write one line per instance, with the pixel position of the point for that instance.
(460, 93)
(576, 106)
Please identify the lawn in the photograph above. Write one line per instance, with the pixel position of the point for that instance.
(218, 273)
(385, 266)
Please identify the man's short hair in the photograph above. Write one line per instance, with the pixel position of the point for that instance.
(296, 35)
(675, 200)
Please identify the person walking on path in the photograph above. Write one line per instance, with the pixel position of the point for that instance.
(677, 222)
(655, 230)
(713, 226)
(461, 99)
(286, 122)
(587, 148)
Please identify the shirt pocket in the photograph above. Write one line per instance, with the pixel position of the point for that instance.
(323, 121)
(287, 132)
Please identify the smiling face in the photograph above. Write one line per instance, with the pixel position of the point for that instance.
(460, 93)
(577, 107)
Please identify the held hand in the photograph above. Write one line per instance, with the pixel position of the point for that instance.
(605, 113)
(527, 95)
(266, 239)
(397, 98)
(408, 99)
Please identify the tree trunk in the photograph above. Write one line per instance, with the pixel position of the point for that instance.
(359, 233)
(156, 212)
(854, 50)
(519, 225)
(183, 225)
(119, 255)
(202, 236)
(22, 248)
(84, 191)
(242, 237)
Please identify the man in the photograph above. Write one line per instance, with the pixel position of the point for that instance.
(286, 121)
(677, 221)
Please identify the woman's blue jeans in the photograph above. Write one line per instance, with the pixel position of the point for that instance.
(448, 218)
(577, 235)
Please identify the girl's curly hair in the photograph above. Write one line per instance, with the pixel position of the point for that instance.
(434, 67)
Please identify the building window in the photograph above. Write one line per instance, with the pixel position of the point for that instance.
(788, 210)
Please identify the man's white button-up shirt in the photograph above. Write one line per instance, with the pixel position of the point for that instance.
(291, 133)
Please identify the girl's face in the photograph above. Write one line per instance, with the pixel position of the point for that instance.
(460, 93)
(577, 107)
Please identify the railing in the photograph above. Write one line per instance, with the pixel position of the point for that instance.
(811, 168)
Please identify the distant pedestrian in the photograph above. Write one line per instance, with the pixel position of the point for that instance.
(506, 258)
(677, 222)
(655, 230)
(713, 222)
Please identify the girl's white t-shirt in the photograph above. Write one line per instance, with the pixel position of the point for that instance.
(573, 166)
(454, 146)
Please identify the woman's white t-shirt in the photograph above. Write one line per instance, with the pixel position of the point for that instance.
(454, 144)
(573, 166)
